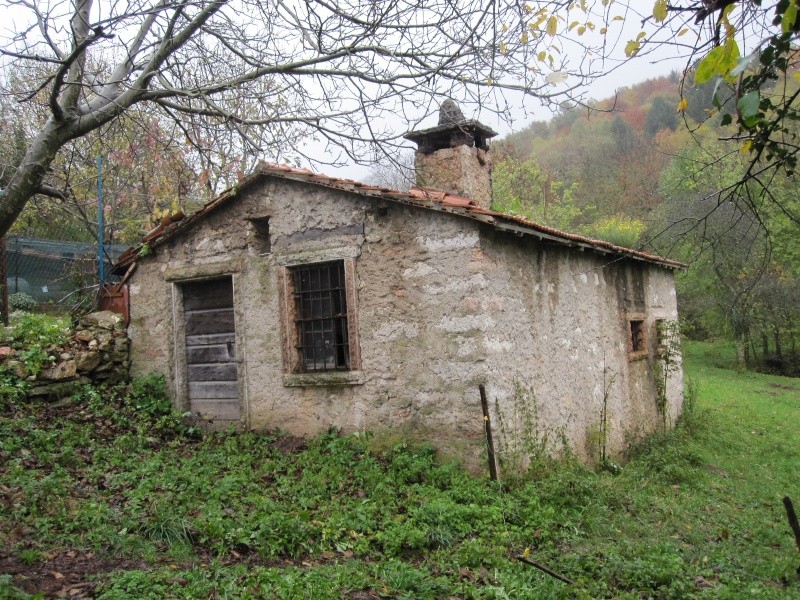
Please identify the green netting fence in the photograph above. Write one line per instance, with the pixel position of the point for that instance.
(60, 272)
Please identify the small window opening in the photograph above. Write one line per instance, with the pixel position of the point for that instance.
(321, 316)
(261, 239)
(638, 340)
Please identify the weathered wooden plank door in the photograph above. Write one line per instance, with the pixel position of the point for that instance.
(211, 351)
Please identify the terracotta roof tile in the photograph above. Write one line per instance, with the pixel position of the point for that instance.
(416, 196)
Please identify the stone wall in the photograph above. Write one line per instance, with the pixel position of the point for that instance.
(463, 170)
(443, 304)
(98, 353)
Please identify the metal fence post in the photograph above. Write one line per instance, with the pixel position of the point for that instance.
(100, 227)
(4, 280)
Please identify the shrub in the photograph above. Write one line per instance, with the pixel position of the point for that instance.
(149, 395)
(620, 231)
(30, 330)
(12, 388)
(36, 337)
(22, 301)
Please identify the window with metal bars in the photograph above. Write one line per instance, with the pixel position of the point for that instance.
(638, 340)
(321, 316)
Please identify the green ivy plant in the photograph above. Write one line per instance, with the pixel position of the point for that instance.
(667, 362)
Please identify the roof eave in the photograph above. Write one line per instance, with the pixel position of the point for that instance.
(500, 221)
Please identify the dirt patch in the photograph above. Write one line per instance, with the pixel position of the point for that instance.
(65, 575)
(717, 471)
(288, 444)
(76, 574)
(784, 387)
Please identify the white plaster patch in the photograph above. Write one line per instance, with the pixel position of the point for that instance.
(424, 399)
(584, 278)
(453, 371)
(466, 346)
(565, 343)
(477, 281)
(498, 394)
(551, 288)
(392, 330)
(464, 324)
(418, 270)
(655, 298)
(468, 240)
(134, 289)
(596, 279)
(216, 245)
(497, 345)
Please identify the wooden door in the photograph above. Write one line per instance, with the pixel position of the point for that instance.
(211, 351)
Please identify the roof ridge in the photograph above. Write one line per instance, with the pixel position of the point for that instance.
(422, 197)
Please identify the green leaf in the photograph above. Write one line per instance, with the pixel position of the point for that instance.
(631, 48)
(789, 18)
(552, 26)
(751, 122)
(720, 61)
(660, 11)
(748, 104)
(708, 67)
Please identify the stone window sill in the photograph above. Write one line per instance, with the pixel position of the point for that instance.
(323, 379)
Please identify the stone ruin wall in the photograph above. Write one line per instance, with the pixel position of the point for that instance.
(98, 353)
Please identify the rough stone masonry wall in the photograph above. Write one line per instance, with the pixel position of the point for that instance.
(98, 353)
(557, 348)
(443, 304)
(463, 170)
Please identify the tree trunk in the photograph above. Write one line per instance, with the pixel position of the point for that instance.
(741, 354)
(748, 344)
(28, 178)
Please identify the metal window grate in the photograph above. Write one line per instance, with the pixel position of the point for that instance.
(637, 336)
(321, 316)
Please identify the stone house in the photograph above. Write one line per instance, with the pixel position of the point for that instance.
(303, 302)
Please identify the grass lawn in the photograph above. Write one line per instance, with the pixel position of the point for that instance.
(110, 497)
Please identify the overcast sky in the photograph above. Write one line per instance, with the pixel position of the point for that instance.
(529, 110)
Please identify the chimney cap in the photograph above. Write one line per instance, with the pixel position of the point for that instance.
(453, 130)
(450, 114)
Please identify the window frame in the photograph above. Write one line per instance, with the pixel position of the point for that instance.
(320, 317)
(295, 373)
(641, 328)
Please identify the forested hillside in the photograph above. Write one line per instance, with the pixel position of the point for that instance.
(644, 169)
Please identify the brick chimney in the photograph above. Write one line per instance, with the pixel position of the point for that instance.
(455, 156)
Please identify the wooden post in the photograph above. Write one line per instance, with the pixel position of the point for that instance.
(792, 516)
(793, 523)
(487, 428)
(545, 569)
